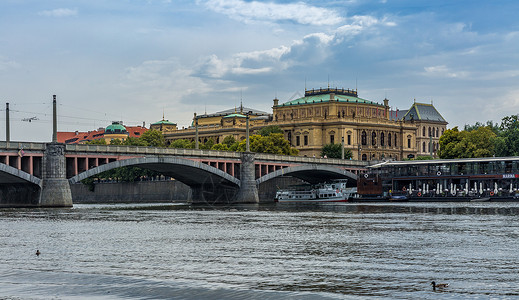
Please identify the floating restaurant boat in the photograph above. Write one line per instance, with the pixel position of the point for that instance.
(334, 191)
(471, 179)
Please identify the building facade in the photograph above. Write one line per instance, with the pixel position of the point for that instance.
(116, 130)
(330, 116)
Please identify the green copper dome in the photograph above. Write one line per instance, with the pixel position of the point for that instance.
(116, 127)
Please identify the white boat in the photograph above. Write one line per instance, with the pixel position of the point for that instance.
(334, 191)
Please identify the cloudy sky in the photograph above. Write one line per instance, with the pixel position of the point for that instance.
(132, 60)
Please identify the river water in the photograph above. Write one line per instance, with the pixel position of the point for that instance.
(347, 251)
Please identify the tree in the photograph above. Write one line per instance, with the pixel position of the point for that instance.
(274, 143)
(185, 144)
(335, 151)
(96, 142)
(479, 142)
(267, 130)
(153, 138)
(448, 142)
(229, 140)
(207, 145)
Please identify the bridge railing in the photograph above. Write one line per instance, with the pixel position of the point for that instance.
(310, 160)
(22, 145)
(139, 150)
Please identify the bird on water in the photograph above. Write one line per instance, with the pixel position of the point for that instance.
(38, 252)
(439, 285)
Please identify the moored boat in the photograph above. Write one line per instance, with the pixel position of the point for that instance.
(334, 191)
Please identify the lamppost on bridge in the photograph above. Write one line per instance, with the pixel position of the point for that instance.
(247, 148)
(7, 129)
(54, 120)
(196, 132)
(342, 149)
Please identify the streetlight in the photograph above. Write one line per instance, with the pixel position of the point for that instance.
(247, 149)
(342, 149)
(196, 132)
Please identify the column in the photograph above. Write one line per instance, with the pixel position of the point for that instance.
(55, 189)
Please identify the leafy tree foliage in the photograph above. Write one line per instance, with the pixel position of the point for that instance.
(153, 138)
(479, 142)
(335, 151)
(267, 130)
(185, 144)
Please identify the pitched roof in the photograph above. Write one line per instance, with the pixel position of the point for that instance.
(237, 110)
(395, 115)
(76, 137)
(164, 122)
(325, 95)
(423, 112)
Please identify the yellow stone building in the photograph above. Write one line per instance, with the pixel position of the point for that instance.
(369, 129)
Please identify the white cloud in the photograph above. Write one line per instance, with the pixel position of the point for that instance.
(443, 71)
(59, 12)
(6, 64)
(255, 11)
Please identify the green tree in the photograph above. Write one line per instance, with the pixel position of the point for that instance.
(220, 147)
(207, 145)
(153, 138)
(479, 142)
(267, 130)
(96, 142)
(335, 151)
(185, 144)
(448, 143)
(275, 143)
(229, 140)
(507, 142)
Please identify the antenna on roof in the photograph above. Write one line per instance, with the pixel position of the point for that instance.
(305, 83)
(328, 80)
(241, 100)
(356, 84)
(162, 114)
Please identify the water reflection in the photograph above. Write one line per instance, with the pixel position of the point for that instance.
(261, 251)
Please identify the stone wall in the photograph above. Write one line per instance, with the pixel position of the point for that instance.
(134, 192)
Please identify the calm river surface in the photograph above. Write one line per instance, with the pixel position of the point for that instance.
(349, 251)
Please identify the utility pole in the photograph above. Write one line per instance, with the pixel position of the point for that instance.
(54, 120)
(196, 132)
(247, 149)
(342, 148)
(7, 129)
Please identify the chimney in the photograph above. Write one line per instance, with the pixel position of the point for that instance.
(276, 101)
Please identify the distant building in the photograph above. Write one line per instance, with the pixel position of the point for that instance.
(216, 126)
(371, 130)
(116, 130)
(430, 124)
(164, 126)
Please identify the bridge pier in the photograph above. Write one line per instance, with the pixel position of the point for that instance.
(55, 188)
(248, 192)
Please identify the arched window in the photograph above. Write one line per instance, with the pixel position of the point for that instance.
(396, 144)
(429, 131)
(373, 138)
(423, 131)
(437, 132)
(364, 157)
(389, 139)
(381, 139)
(364, 138)
(423, 147)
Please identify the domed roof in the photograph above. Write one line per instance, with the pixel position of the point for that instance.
(164, 122)
(235, 116)
(116, 127)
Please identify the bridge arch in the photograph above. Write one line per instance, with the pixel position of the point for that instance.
(310, 173)
(192, 173)
(10, 174)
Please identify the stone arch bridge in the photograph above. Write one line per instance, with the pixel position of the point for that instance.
(40, 174)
